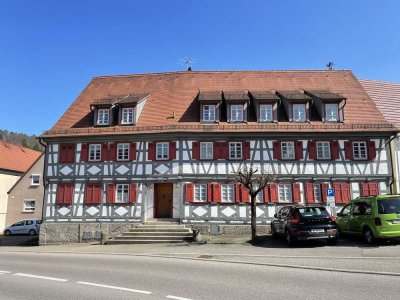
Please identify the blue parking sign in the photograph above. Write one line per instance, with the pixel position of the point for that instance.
(330, 192)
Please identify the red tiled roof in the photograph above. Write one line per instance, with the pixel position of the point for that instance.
(16, 158)
(386, 96)
(175, 94)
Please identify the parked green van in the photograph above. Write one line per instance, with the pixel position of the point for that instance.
(374, 217)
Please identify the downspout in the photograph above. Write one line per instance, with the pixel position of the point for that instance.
(394, 163)
(44, 170)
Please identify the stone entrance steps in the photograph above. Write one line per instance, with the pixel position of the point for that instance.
(155, 231)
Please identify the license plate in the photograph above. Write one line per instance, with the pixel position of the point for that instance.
(317, 230)
(395, 221)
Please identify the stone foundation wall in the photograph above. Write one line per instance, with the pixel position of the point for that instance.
(67, 233)
(220, 229)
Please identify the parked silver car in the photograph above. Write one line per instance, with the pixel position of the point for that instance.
(30, 227)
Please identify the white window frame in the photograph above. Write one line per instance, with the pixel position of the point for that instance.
(123, 150)
(209, 113)
(33, 183)
(299, 115)
(357, 148)
(94, 152)
(266, 113)
(127, 116)
(317, 192)
(206, 150)
(260, 195)
(122, 193)
(29, 209)
(285, 192)
(288, 150)
(103, 116)
(235, 150)
(325, 148)
(331, 112)
(237, 112)
(200, 192)
(227, 193)
(162, 151)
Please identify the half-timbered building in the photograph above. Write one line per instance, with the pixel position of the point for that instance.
(164, 145)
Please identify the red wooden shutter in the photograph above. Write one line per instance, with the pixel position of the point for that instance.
(345, 192)
(97, 193)
(151, 151)
(244, 194)
(196, 150)
(364, 189)
(310, 192)
(298, 149)
(71, 153)
(63, 153)
(312, 150)
(324, 186)
(84, 152)
(276, 150)
(274, 196)
(172, 150)
(104, 152)
(296, 192)
(69, 194)
(224, 150)
(112, 153)
(338, 192)
(88, 194)
(348, 150)
(334, 149)
(217, 150)
(60, 194)
(216, 192)
(246, 150)
(132, 193)
(373, 188)
(132, 151)
(189, 192)
(111, 193)
(237, 192)
(266, 194)
(371, 150)
(209, 192)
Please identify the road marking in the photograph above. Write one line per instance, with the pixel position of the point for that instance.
(115, 287)
(40, 277)
(4, 272)
(176, 298)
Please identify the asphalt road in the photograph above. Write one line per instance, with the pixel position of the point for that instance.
(107, 276)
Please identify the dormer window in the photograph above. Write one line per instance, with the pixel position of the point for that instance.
(208, 113)
(266, 113)
(127, 116)
(236, 113)
(299, 112)
(103, 117)
(331, 112)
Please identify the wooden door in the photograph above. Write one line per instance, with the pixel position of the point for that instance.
(163, 200)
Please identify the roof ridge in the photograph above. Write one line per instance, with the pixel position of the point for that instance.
(379, 81)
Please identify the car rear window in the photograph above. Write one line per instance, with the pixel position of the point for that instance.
(389, 206)
(313, 212)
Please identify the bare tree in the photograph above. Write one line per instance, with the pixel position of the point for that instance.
(255, 183)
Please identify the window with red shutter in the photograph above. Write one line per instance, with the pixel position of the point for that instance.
(104, 152)
(324, 187)
(274, 196)
(217, 150)
(67, 153)
(132, 152)
(65, 193)
(338, 192)
(312, 150)
(216, 192)
(112, 153)
(348, 150)
(209, 192)
(84, 152)
(189, 192)
(172, 150)
(364, 189)
(299, 150)
(111, 193)
(237, 192)
(224, 150)
(266, 194)
(296, 192)
(346, 197)
(373, 188)
(133, 193)
(246, 150)
(151, 151)
(371, 150)
(93, 193)
(244, 194)
(334, 149)
(196, 150)
(276, 150)
(310, 192)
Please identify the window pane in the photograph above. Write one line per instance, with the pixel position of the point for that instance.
(299, 112)
(94, 152)
(162, 150)
(287, 149)
(102, 117)
(323, 150)
(208, 112)
(265, 113)
(227, 194)
(235, 150)
(123, 152)
(206, 150)
(360, 150)
(237, 113)
(331, 112)
(127, 116)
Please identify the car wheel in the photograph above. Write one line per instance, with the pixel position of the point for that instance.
(274, 234)
(290, 240)
(368, 236)
(32, 232)
(332, 241)
(7, 232)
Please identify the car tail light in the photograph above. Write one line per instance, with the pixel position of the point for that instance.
(331, 230)
(296, 218)
(378, 222)
(333, 218)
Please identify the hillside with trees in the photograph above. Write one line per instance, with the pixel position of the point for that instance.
(28, 141)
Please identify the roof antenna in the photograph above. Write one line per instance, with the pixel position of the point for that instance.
(188, 62)
(330, 65)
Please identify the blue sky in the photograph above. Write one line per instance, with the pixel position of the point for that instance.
(49, 50)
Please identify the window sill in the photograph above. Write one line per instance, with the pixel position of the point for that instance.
(28, 211)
